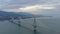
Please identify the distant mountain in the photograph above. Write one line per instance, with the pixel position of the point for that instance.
(6, 15)
(3, 13)
(24, 13)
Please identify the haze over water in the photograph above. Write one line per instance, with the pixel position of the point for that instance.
(44, 26)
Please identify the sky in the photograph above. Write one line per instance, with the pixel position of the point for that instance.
(48, 7)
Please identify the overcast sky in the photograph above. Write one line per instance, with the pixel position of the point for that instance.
(31, 6)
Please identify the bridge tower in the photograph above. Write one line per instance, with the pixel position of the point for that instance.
(34, 24)
(19, 21)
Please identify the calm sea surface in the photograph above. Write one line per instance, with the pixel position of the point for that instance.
(44, 26)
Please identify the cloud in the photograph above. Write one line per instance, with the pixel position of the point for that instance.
(31, 6)
(36, 7)
(31, 9)
(22, 3)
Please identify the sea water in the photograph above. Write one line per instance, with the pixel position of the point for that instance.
(44, 26)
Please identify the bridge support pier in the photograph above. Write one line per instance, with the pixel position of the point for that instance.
(19, 22)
